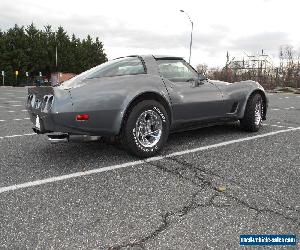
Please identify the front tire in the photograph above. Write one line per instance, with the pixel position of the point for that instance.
(253, 113)
(145, 129)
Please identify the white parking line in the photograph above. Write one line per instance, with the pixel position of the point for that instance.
(134, 163)
(12, 136)
(16, 119)
(274, 125)
(288, 108)
(25, 91)
(13, 111)
(278, 126)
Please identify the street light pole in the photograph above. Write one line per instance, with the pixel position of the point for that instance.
(191, 41)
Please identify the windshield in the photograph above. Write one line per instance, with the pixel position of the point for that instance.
(116, 67)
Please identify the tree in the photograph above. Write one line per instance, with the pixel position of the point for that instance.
(33, 50)
(202, 69)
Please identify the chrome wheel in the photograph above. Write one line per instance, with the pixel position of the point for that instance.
(148, 128)
(257, 113)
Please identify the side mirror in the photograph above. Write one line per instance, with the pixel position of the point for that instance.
(200, 80)
(201, 77)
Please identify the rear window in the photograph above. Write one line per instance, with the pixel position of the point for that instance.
(119, 67)
(116, 67)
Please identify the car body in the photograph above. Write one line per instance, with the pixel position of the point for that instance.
(97, 101)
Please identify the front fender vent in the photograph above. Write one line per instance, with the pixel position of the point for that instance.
(234, 107)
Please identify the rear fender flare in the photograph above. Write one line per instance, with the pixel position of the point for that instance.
(146, 95)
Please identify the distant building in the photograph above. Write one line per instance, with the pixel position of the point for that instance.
(58, 78)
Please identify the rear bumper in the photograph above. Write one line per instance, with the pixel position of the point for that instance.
(47, 122)
(59, 115)
(59, 122)
(53, 108)
(66, 123)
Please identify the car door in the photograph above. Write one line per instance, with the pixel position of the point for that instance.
(192, 99)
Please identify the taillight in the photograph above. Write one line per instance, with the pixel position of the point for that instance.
(50, 101)
(44, 103)
(32, 101)
(82, 117)
(29, 99)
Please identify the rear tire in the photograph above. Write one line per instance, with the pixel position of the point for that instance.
(253, 113)
(145, 129)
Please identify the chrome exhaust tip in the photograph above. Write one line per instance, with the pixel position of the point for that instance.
(58, 138)
(83, 138)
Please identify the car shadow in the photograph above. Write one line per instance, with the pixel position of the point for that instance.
(104, 153)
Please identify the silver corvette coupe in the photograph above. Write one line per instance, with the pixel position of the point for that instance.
(140, 100)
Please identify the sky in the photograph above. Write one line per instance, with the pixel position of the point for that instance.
(242, 27)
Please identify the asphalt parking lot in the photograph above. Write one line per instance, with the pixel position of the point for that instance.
(206, 188)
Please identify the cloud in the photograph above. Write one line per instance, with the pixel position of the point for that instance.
(118, 34)
(151, 40)
(269, 41)
(150, 26)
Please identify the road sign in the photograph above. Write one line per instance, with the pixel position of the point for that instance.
(2, 72)
(40, 74)
(26, 73)
(17, 72)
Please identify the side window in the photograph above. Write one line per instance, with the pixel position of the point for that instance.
(176, 70)
(119, 67)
